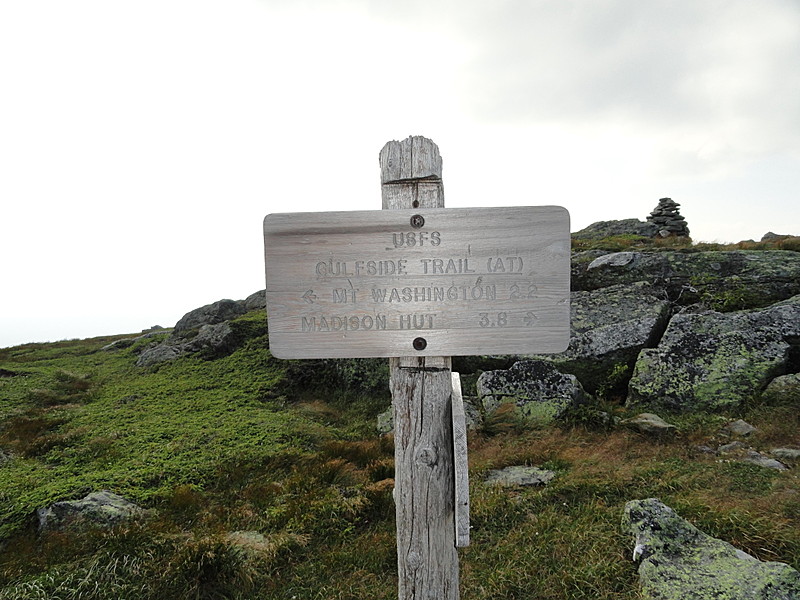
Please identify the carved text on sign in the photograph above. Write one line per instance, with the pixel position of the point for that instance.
(476, 281)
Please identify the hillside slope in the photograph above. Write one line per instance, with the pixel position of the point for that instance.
(264, 478)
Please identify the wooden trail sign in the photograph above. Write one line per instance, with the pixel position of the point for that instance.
(423, 282)
(417, 283)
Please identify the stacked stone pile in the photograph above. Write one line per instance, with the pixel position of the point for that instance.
(668, 219)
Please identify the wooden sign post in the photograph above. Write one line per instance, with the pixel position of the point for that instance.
(418, 283)
(427, 561)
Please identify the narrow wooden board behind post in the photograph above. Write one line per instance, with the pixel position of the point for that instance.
(421, 388)
(460, 464)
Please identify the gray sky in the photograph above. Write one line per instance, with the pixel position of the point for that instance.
(142, 143)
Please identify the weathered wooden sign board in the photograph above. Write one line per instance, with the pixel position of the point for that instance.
(418, 282)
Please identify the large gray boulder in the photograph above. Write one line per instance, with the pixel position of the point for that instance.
(159, 353)
(608, 329)
(678, 561)
(103, 509)
(216, 339)
(712, 361)
(211, 314)
(538, 389)
(726, 280)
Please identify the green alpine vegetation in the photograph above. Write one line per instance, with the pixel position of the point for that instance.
(266, 479)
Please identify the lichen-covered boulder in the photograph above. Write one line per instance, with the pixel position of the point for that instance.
(608, 329)
(538, 389)
(678, 561)
(103, 509)
(712, 361)
(724, 280)
(783, 390)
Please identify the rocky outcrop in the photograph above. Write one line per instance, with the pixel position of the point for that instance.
(540, 392)
(205, 329)
(608, 328)
(678, 561)
(256, 301)
(101, 509)
(713, 361)
(605, 229)
(211, 314)
(724, 280)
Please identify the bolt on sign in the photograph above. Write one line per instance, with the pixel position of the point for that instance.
(419, 282)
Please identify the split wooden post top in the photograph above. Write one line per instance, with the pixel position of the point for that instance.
(411, 177)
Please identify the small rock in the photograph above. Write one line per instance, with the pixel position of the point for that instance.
(739, 427)
(731, 447)
(790, 454)
(519, 476)
(102, 508)
(756, 458)
(119, 344)
(649, 423)
(615, 259)
(128, 342)
(386, 421)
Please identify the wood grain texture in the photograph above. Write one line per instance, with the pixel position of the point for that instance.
(421, 389)
(424, 481)
(460, 464)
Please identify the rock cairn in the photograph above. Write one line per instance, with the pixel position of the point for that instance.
(668, 219)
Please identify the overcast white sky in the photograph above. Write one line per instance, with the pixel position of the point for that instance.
(142, 143)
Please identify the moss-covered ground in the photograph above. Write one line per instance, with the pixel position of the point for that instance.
(213, 445)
